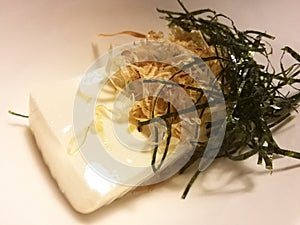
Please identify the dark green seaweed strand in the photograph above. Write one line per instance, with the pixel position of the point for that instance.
(17, 114)
(189, 185)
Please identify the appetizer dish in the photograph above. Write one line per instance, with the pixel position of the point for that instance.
(228, 112)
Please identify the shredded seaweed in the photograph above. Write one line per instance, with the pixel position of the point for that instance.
(17, 114)
(255, 94)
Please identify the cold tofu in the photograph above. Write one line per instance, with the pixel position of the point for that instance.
(50, 119)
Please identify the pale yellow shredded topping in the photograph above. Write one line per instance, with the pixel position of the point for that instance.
(150, 107)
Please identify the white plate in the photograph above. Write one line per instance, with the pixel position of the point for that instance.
(50, 41)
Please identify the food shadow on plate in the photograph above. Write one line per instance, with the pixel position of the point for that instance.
(223, 177)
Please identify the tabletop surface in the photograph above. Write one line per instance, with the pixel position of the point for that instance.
(47, 41)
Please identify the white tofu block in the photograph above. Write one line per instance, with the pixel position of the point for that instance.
(51, 110)
(51, 121)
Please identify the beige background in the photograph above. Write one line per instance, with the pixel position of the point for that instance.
(47, 41)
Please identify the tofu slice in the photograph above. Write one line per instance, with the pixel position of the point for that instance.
(50, 119)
